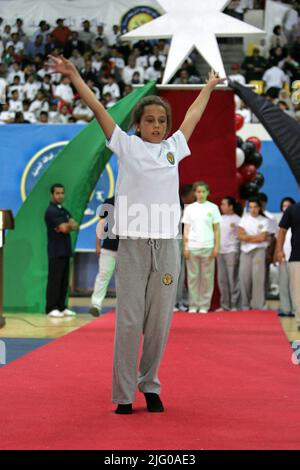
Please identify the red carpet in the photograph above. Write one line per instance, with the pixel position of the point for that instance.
(228, 383)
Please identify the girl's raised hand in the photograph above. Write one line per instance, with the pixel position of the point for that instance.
(214, 79)
(61, 65)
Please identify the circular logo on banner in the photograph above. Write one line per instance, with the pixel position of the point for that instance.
(43, 159)
(136, 17)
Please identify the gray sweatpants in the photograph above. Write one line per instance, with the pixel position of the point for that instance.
(285, 291)
(228, 280)
(201, 272)
(294, 271)
(146, 283)
(252, 279)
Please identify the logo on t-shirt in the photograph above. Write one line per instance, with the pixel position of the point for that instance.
(167, 279)
(232, 225)
(171, 158)
(260, 226)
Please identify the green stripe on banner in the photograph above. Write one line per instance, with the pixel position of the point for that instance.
(78, 167)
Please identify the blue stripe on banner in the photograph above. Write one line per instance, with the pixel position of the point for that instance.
(26, 151)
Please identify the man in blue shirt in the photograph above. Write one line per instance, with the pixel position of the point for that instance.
(59, 225)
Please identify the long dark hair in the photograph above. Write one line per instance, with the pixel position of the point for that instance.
(236, 205)
(259, 203)
(290, 199)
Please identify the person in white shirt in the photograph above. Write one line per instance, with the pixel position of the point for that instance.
(253, 234)
(64, 91)
(114, 36)
(3, 90)
(273, 229)
(14, 70)
(130, 69)
(157, 55)
(236, 75)
(155, 72)
(229, 257)
(82, 112)
(116, 58)
(291, 20)
(147, 216)
(39, 104)
(287, 307)
(112, 87)
(97, 62)
(15, 104)
(16, 86)
(28, 115)
(6, 116)
(31, 87)
(18, 45)
(201, 247)
(275, 79)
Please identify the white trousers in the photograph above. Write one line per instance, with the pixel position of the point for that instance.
(107, 264)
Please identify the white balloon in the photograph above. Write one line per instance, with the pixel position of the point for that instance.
(240, 157)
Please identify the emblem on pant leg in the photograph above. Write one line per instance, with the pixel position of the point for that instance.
(167, 279)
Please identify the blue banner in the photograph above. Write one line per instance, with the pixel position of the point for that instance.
(26, 151)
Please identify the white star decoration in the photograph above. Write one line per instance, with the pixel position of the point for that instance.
(193, 24)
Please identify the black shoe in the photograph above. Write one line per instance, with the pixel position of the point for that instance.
(291, 314)
(124, 409)
(94, 311)
(154, 403)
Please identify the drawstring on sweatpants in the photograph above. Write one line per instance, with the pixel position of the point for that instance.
(154, 244)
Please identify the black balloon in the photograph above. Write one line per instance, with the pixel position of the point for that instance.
(239, 141)
(249, 190)
(255, 159)
(249, 149)
(259, 180)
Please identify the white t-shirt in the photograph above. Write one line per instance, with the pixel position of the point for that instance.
(229, 230)
(287, 246)
(201, 217)
(273, 225)
(147, 191)
(30, 90)
(15, 106)
(128, 72)
(3, 86)
(113, 89)
(64, 92)
(274, 77)
(238, 77)
(254, 226)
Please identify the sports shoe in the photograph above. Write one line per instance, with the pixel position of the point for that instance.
(192, 310)
(68, 313)
(95, 311)
(154, 403)
(55, 314)
(124, 409)
(202, 310)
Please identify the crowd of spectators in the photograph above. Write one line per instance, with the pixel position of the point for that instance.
(111, 67)
(273, 67)
(29, 93)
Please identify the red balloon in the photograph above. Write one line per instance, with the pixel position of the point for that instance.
(239, 122)
(256, 141)
(240, 179)
(248, 172)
